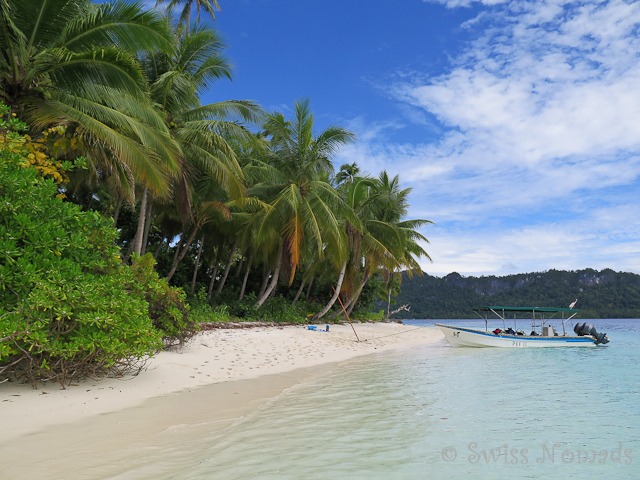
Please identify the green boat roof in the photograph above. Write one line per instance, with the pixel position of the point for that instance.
(526, 309)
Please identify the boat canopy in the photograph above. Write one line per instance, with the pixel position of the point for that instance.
(527, 309)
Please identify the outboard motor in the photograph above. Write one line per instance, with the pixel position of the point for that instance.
(583, 329)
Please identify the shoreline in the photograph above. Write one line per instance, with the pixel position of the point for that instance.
(213, 357)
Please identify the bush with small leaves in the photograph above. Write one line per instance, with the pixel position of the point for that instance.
(167, 307)
(68, 307)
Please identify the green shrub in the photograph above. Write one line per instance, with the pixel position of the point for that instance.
(68, 307)
(201, 311)
(167, 307)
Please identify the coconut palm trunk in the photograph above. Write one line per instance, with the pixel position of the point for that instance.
(309, 288)
(177, 252)
(226, 270)
(137, 243)
(116, 213)
(244, 281)
(195, 270)
(302, 284)
(182, 253)
(147, 227)
(328, 306)
(352, 301)
(274, 279)
(213, 280)
(240, 266)
(298, 294)
(158, 247)
(265, 280)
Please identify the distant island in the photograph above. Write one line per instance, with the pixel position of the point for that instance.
(600, 294)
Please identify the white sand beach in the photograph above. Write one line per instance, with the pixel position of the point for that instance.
(221, 355)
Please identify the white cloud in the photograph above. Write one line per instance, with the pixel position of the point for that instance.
(570, 245)
(465, 3)
(540, 113)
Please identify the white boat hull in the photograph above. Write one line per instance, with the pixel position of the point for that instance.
(467, 337)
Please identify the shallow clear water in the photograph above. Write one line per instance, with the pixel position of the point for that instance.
(443, 413)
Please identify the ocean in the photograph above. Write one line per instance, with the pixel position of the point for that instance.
(443, 413)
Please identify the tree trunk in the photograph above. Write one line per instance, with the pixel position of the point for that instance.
(309, 289)
(178, 248)
(298, 294)
(365, 279)
(265, 280)
(147, 227)
(141, 221)
(404, 307)
(182, 253)
(240, 266)
(226, 270)
(116, 214)
(129, 251)
(274, 279)
(195, 270)
(328, 306)
(244, 282)
(301, 285)
(213, 279)
(388, 302)
(353, 300)
(160, 243)
(188, 19)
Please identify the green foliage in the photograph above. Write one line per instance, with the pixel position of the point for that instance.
(66, 311)
(605, 294)
(69, 308)
(369, 316)
(167, 307)
(276, 309)
(279, 309)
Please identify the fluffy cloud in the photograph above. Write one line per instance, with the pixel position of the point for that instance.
(600, 241)
(539, 117)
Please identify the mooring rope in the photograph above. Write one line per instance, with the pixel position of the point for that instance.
(391, 334)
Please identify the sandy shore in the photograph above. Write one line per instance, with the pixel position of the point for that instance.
(213, 357)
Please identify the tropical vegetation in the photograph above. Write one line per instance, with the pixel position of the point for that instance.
(600, 294)
(132, 211)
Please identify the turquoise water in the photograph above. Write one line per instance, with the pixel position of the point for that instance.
(443, 413)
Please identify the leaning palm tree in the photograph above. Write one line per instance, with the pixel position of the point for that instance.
(304, 207)
(72, 63)
(392, 209)
(386, 243)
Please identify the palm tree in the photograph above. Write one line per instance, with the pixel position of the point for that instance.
(392, 209)
(304, 207)
(177, 77)
(72, 63)
(386, 242)
(209, 6)
(347, 173)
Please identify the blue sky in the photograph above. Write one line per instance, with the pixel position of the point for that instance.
(516, 123)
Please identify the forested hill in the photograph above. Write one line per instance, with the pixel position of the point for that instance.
(605, 294)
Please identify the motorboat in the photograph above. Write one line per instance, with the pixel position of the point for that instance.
(543, 334)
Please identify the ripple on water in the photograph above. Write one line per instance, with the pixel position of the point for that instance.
(391, 416)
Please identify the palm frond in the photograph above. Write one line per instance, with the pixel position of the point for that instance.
(125, 24)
